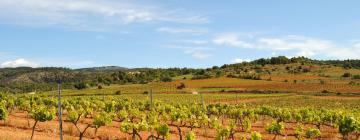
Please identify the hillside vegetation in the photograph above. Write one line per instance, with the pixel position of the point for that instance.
(281, 69)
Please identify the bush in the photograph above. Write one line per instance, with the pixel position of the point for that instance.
(181, 86)
(100, 87)
(166, 79)
(3, 113)
(275, 128)
(118, 92)
(256, 136)
(81, 85)
(347, 125)
(163, 130)
(346, 74)
(190, 136)
(356, 76)
(313, 133)
(325, 91)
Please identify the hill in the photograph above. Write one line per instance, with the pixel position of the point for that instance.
(26, 79)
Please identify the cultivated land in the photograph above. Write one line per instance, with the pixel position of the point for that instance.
(294, 100)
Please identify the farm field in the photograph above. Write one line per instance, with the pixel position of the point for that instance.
(252, 102)
(166, 106)
(216, 108)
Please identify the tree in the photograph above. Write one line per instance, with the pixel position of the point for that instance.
(102, 119)
(74, 116)
(347, 125)
(41, 114)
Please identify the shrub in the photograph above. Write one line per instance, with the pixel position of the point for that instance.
(100, 87)
(325, 91)
(3, 113)
(313, 133)
(181, 86)
(190, 136)
(347, 125)
(163, 130)
(118, 92)
(255, 136)
(299, 131)
(275, 128)
(81, 85)
(346, 74)
(222, 133)
(166, 79)
(356, 76)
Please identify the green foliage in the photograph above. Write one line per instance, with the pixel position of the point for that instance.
(356, 76)
(313, 133)
(222, 133)
(275, 128)
(166, 79)
(43, 114)
(299, 131)
(247, 124)
(81, 85)
(256, 136)
(348, 125)
(190, 136)
(163, 130)
(102, 119)
(3, 113)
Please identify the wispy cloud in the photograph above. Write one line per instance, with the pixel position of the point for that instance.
(292, 45)
(195, 52)
(173, 30)
(231, 39)
(21, 62)
(88, 14)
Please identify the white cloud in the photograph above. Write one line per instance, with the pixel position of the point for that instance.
(195, 52)
(231, 40)
(292, 45)
(19, 63)
(239, 60)
(181, 30)
(88, 14)
(200, 55)
(195, 42)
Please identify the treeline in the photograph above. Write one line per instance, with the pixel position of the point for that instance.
(354, 63)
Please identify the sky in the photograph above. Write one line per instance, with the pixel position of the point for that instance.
(174, 33)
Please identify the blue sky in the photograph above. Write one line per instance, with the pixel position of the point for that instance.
(174, 33)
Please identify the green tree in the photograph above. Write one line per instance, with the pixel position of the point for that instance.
(41, 114)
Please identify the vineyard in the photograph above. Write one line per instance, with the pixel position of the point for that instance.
(134, 116)
(235, 102)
